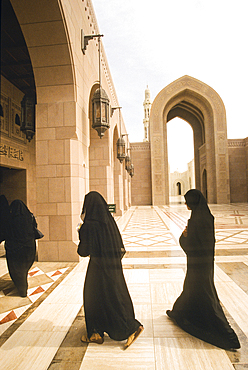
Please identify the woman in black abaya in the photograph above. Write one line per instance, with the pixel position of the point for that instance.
(197, 310)
(4, 216)
(107, 304)
(20, 244)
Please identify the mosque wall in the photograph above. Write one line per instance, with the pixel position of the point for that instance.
(238, 165)
(238, 171)
(141, 185)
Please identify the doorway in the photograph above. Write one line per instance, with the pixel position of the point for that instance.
(13, 184)
(179, 188)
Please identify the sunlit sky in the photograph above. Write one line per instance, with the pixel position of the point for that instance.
(155, 43)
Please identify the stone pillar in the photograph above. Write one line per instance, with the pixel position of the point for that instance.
(58, 168)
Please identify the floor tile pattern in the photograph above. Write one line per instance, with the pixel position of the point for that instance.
(39, 281)
(154, 268)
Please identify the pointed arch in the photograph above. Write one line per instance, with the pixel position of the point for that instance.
(199, 105)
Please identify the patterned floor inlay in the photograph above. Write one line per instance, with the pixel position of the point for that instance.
(40, 279)
(238, 272)
(231, 236)
(231, 252)
(71, 352)
(141, 239)
(154, 254)
(154, 267)
(145, 220)
(179, 220)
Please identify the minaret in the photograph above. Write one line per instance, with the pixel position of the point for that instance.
(147, 108)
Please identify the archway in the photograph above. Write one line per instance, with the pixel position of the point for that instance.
(179, 188)
(203, 109)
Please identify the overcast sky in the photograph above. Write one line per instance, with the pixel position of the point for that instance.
(156, 42)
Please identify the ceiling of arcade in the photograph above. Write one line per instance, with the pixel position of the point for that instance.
(16, 66)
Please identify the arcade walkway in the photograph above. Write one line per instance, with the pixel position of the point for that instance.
(43, 330)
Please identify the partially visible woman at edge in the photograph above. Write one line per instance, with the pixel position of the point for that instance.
(197, 310)
(107, 304)
(4, 217)
(20, 244)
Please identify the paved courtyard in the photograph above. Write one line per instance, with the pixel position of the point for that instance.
(43, 330)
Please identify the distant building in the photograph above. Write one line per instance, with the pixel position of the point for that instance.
(181, 182)
(147, 109)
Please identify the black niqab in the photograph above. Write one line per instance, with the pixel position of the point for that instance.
(198, 204)
(99, 233)
(200, 229)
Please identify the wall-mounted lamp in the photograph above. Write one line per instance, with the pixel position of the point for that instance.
(131, 172)
(128, 164)
(127, 161)
(100, 100)
(121, 149)
(121, 145)
(28, 116)
(100, 110)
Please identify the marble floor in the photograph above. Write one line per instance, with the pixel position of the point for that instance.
(43, 330)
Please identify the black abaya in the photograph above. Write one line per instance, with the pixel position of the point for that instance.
(107, 304)
(4, 216)
(197, 310)
(20, 245)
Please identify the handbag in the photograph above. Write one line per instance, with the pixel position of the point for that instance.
(37, 233)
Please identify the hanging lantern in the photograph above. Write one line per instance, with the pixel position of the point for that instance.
(131, 171)
(127, 163)
(28, 116)
(100, 109)
(121, 152)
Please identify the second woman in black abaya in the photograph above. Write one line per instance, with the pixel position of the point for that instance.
(20, 244)
(197, 310)
(107, 304)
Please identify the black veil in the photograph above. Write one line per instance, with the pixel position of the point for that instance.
(99, 234)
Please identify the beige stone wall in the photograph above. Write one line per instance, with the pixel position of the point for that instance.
(70, 158)
(238, 161)
(141, 182)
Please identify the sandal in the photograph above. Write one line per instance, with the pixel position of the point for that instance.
(133, 337)
(95, 338)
